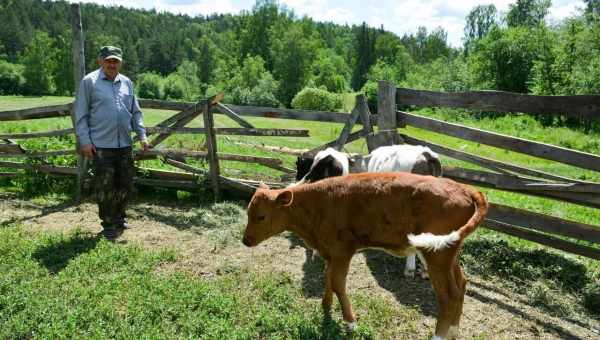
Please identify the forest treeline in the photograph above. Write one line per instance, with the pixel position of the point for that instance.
(270, 56)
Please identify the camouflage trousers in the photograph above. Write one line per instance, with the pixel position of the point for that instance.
(113, 182)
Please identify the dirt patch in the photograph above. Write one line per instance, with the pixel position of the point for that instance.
(491, 310)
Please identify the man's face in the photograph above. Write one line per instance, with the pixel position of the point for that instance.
(110, 67)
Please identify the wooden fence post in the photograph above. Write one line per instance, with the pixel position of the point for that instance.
(211, 145)
(386, 114)
(78, 74)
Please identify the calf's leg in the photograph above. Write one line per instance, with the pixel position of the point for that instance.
(411, 266)
(339, 271)
(328, 293)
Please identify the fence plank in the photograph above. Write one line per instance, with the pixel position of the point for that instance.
(32, 154)
(507, 183)
(165, 105)
(386, 114)
(191, 186)
(211, 145)
(153, 153)
(234, 116)
(546, 151)
(36, 113)
(341, 141)
(580, 106)
(545, 223)
(365, 119)
(11, 148)
(177, 121)
(232, 131)
(351, 138)
(49, 169)
(546, 240)
(270, 112)
(27, 135)
(488, 163)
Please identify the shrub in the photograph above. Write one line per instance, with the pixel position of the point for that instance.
(150, 86)
(591, 297)
(174, 87)
(316, 99)
(11, 78)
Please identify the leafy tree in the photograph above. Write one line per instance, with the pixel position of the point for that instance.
(291, 54)
(528, 13)
(188, 71)
(503, 59)
(330, 71)
(150, 86)
(63, 67)
(11, 78)
(365, 42)
(39, 63)
(174, 87)
(592, 7)
(256, 39)
(479, 22)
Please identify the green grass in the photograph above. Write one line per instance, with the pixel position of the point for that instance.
(74, 286)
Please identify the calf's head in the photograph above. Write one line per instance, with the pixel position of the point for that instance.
(266, 215)
(303, 165)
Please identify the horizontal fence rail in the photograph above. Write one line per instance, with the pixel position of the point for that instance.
(233, 131)
(28, 135)
(36, 112)
(580, 106)
(577, 158)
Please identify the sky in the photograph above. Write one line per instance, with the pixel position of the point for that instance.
(398, 16)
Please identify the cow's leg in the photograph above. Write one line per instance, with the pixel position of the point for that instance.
(424, 270)
(461, 284)
(448, 294)
(339, 271)
(327, 294)
(409, 269)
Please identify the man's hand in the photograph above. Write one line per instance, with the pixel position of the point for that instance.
(88, 150)
(145, 145)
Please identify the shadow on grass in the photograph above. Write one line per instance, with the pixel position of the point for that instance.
(388, 272)
(313, 268)
(56, 255)
(329, 329)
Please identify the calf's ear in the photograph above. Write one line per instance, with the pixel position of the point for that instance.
(284, 198)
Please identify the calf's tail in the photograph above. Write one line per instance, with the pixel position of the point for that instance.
(433, 242)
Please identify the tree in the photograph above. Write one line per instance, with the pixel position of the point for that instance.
(529, 13)
(11, 78)
(387, 47)
(592, 7)
(365, 42)
(256, 39)
(330, 71)
(479, 22)
(39, 63)
(291, 54)
(63, 67)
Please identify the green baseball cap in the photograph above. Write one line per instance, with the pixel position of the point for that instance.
(111, 52)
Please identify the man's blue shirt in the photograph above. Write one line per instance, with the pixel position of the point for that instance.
(107, 111)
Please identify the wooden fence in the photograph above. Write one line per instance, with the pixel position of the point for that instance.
(499, 175)
(509, 177)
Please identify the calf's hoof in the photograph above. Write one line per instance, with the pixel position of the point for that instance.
(351, 325)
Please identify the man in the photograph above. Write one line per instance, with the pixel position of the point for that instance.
(106, 112)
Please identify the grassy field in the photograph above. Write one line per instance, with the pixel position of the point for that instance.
(55, 270)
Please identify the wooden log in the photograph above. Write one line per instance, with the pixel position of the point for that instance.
(9, 174)
(165, 174)
(36, 113)
(211, 145)
(78, 54)
(166, 105)
(386, 113)
(270, 112)
(579, 106)
(365, 119)
(182, 119)
(183, 166)
(232, 131)
(341, 141)
(544, 223)
(234, 116)
(503, 182)
(486, 162)
(546, 240)
(27, 135)
(280, 149)
(32, 154)
(542, 150)
(351, 138)
(170, 184)
(153, 153)
(11, 148)
(49, 169)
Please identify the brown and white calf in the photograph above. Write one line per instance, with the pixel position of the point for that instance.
(396, 212)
